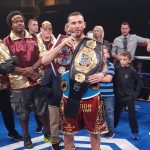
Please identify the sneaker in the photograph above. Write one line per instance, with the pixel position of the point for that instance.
(47, 138)
(135, 136)
(15, 136)
(28, 142)
(55, 146)
(109, 135)
(38, 130)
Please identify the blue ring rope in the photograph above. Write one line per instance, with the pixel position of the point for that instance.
(144, 73)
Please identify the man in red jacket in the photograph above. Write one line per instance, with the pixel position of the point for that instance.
(25, 79)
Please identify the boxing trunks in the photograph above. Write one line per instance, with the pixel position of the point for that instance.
(87, 60)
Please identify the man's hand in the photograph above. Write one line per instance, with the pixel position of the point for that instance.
(28, 71)
(68, 41)
(19, 70)
(96, 78)
(34, 77)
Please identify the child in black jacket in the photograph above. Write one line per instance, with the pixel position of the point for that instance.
(127, 87)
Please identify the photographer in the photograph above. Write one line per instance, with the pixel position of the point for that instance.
(5, 105)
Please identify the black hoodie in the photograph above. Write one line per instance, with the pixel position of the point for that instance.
(127, 83)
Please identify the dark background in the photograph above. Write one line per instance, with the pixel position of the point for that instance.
(108, 13)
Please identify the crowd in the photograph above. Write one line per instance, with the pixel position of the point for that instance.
(36, 71)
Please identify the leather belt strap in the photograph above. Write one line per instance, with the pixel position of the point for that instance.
(86, 61)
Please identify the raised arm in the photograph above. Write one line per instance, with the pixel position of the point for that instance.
(49, 56)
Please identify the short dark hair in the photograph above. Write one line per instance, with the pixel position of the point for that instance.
(32, 19)
(127, 54)
(125, 23)
(12, 14)
(76, 13)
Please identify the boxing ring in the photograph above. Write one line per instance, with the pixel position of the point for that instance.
(145, 76)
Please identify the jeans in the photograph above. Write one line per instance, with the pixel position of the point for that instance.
(24, 101)
(109, 112)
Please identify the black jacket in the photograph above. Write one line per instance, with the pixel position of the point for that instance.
(50, 88)
(127, 83)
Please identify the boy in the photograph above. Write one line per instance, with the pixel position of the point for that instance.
(126, 92)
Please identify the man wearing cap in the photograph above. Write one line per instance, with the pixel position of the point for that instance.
(50, 86)
(25, 79)
(46, 35)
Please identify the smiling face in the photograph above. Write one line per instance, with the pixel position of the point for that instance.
(18, 25)
(77, 25)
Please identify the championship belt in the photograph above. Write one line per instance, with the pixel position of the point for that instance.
(62, 62)
(91, 91)
(87, 60)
